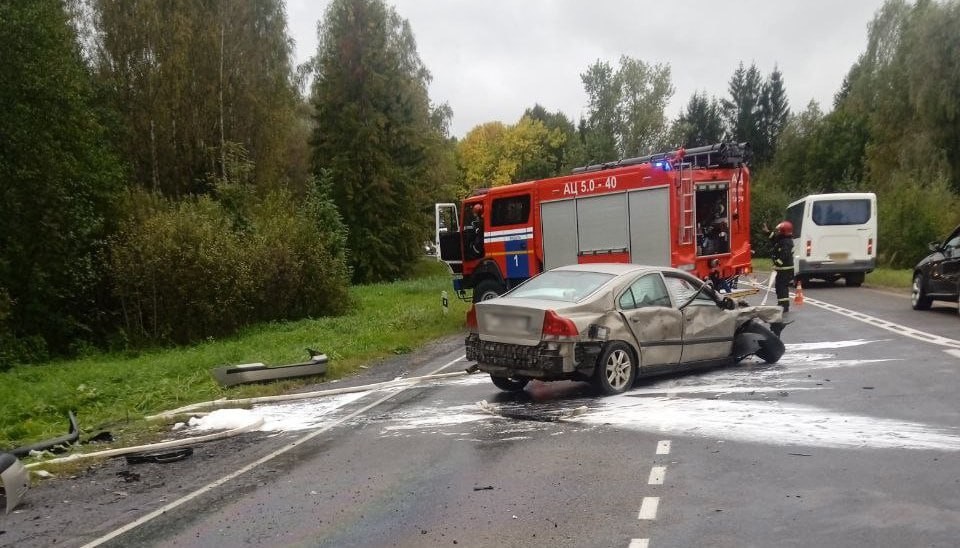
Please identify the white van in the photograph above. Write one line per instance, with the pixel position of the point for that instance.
(834, 236)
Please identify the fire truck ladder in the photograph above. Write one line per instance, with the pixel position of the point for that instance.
(718, 155)
(687, 223)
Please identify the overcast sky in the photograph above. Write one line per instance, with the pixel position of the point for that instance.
(492, 59)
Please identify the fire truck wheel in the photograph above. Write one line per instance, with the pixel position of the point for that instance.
(486, 290)
(616, 370)
(509, 384)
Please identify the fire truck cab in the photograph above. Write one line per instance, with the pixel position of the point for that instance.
(689, 209)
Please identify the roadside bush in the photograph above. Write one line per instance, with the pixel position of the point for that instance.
(193, 270)
(298, 271)
(910, 217)
(180, 274)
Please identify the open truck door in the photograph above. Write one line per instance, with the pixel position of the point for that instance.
(447, 237)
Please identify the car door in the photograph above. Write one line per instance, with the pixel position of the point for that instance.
(653, 319)
(945, 275)
(707, 328)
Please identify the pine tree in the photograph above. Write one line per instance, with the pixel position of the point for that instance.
(374, 133)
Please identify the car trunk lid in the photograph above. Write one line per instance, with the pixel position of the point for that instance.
(514, 323)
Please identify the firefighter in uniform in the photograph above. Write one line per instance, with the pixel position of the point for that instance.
(781, 243)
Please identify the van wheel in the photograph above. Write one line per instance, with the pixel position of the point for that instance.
(854, 279)
(918, 297)
(486, 290)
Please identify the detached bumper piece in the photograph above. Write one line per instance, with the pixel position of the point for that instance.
(231, 375)
(526, 360)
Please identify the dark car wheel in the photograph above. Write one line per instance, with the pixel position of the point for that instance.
(616, 370)
(918, 297)
(770, 349)
(854, 279)
(486, 290)
(509, 384)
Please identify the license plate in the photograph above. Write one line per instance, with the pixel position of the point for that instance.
(839, 256)
(509, 323)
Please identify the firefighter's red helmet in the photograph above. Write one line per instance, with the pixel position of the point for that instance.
(785, 228)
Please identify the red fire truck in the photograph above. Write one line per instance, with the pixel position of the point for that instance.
(688, 209)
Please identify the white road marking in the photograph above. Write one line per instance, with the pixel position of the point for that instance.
(656, 475)
(663, 447)
(639, 543)
(213, 485)
(648, 508)
(881, 323)
(953, 352)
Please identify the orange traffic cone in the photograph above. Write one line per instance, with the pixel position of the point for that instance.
(798, 294)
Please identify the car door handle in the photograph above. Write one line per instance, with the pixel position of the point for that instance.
(635, 319)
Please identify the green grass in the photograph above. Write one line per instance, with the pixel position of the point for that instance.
(114, 392)
(890, 278)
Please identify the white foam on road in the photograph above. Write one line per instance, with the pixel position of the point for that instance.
(768, 422)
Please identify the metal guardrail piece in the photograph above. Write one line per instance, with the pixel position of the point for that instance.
(70, 437)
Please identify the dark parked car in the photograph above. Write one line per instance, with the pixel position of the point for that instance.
(937, 276)
(610, 323)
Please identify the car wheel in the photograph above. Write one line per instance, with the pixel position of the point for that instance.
(509, 384)
(486, 290)
(854, 279)
(616, 370)
(918, 297)
(770, 347)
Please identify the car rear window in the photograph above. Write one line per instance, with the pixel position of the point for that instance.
(568, 286)
(841, 212)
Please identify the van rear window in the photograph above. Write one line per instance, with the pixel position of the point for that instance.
(841, 212)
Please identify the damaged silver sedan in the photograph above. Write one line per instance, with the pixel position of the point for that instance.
(612, 323)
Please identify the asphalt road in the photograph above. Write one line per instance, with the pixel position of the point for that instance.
(851, 440)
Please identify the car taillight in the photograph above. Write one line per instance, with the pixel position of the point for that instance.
(870, 246)
(472, 318)
(558, 326)
(809, 247)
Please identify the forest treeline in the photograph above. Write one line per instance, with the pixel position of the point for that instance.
(168, 175)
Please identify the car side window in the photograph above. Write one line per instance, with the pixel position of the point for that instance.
(682, 289)
(952, 247)
(648, 290)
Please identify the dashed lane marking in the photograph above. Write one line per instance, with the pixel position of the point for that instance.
(953, 352)
(639, 543)
(648, 508)
(663, 448)
(656, 475)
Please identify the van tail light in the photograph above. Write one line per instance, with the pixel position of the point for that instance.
(558, 326)
(809, 247)
(870, 246)
(472, 318)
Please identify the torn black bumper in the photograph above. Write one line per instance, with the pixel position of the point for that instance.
(541, 361)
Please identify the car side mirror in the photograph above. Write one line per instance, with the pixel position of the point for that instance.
(728, 304)
(934, 246)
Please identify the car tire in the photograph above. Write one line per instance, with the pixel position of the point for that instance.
(486, 290)
(771, 347)
(616, 369)
(918, 297)
(854, 279)
(509, 384)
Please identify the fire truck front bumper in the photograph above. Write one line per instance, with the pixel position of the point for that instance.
(545, 361)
